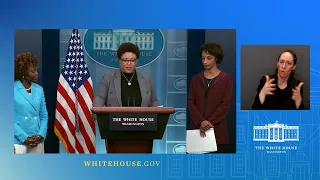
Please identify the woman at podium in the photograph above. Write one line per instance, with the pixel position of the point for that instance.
(210, 96)
(126, 86)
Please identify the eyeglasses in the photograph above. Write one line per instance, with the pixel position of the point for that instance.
(128, 60)
(282, 62)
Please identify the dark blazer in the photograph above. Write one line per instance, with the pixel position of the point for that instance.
(218, 104)
(109, 90)
(281, 100)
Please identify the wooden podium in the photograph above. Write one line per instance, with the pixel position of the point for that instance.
(131, 138)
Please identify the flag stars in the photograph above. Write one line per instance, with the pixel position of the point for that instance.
(75, 69)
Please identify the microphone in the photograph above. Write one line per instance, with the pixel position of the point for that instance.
(128, 101)
(134, 102)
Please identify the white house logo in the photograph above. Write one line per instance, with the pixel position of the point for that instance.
(276, 133)
(102, 44)
(179, 149)
(180, 83)
(179, 117)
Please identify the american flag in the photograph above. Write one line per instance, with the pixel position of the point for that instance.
(74, 124)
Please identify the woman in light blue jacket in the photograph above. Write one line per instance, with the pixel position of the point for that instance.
(30, 112)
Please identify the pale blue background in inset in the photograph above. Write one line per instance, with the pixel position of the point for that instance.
(257, 22)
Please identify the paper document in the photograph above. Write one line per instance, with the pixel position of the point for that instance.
(199, 145)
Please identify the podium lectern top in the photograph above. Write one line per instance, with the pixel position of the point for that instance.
(157, 110)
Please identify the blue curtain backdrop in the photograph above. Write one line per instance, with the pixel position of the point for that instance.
(168, 72)
(50, 75)
(197, 37)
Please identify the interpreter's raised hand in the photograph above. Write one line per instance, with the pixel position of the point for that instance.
(267, 89)
(296, 95)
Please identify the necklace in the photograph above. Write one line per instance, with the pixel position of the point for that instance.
(129, 82)
(209, 81)
(28, 88)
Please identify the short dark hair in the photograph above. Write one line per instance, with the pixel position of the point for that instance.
(22, 62)
(213, 49)
(128, 47)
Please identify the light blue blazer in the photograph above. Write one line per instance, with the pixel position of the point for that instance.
(30, 112)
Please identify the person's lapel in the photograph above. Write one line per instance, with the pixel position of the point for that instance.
(25, 94)
(117, 86)
(143, 89)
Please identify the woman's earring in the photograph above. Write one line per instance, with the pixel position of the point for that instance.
(22, 77)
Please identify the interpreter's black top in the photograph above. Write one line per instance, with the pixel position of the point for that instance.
(281, 100)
